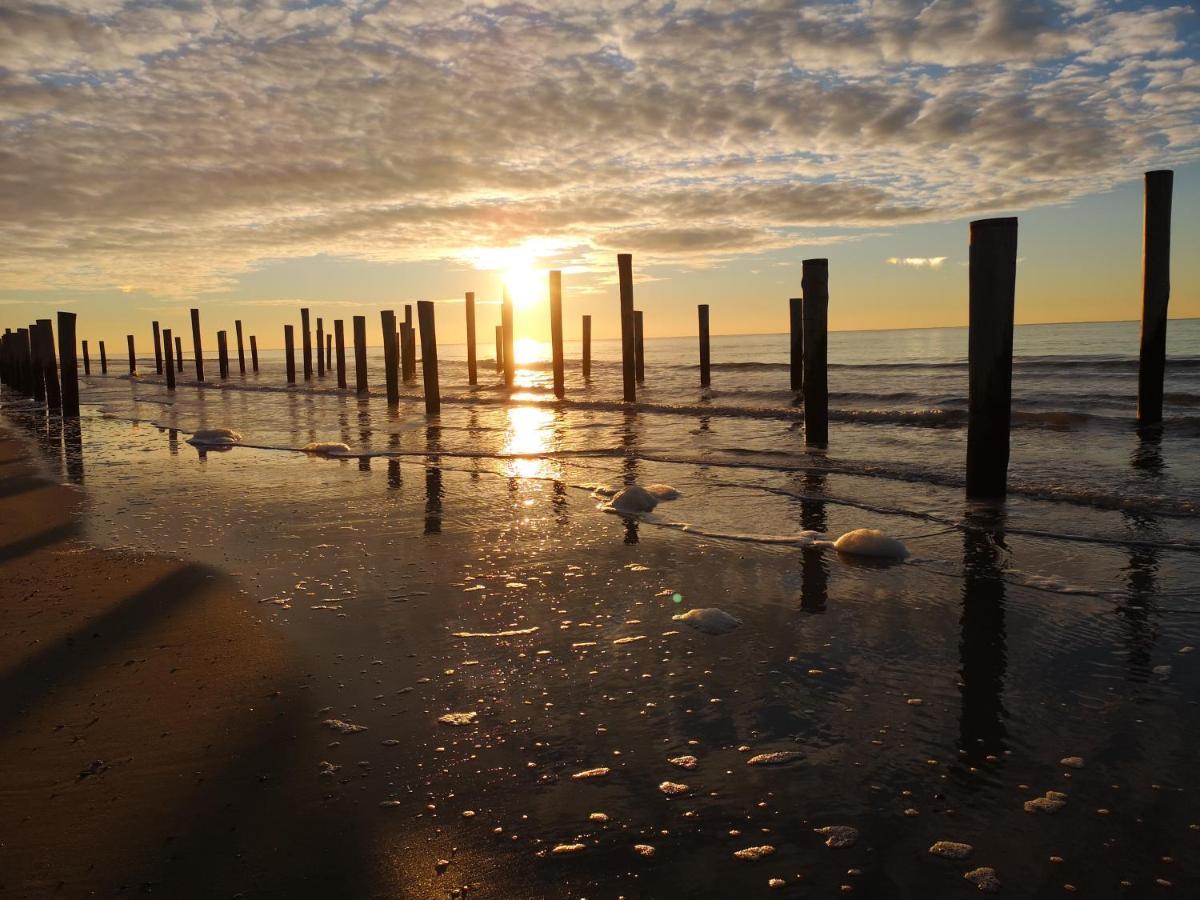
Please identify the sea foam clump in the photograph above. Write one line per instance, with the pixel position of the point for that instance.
(634, 499)
(325, 448)
(710, 620)
(663, 491)
(215, 437)
(870, 542)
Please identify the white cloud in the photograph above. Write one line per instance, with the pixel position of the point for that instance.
(917, 262)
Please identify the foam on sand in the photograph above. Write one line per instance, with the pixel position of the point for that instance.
(838, 835)
(709, 620)
(325, 448)
(634, 499)
(663, 491)
(870, 542)
(753, 853)
(215, 437)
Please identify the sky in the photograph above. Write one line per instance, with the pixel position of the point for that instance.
(251, 158)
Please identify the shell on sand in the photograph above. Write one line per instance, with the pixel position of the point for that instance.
(870, 542)
(634, 499)
(709, 620)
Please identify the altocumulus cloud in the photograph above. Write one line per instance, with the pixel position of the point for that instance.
(173, 147)
(917, 262)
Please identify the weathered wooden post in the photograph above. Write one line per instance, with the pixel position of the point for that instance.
(340, 339)
(36, 373)
(472, 376)
(237, 327)
(406, 361)
(409, 337)
(328, 352)
(429, 365)
(510, 355)
(132, 355)
(639, 350)
(390, 352)
(158, 357)
(289, 348)
(705, 373)
(814, 283)
(168, 358)
(1156, 291)
(320, 347)
(178, 353)
(556, 333)
(587, 346)
(360, 353)
(992, 285)
(196, 348)
(499, 348)
(68, 366)
(25, 361)
(223, 353)
(796, 321)
(254, 351)
(306, 340)
(87, 360)
(628, 373)
(103, 356)
(49, 372)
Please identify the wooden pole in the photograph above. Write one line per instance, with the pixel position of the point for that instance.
(169, 358)
(68, 365)
(814, 282)
(158, 357)
(36, 369)
(132, 355)
(556, 333)
(103, 356)
(506, 321)
(705, 366)
(49, 364)
(1156, 291)
(796, 319)
(587, 346)
(390, 352)
(25, 361)
(254, 352)
(472, 375)
(237, 327)
(429, 366)
(409, 337)
(223, 353)
(289, 347)
(306, 340)
(339, 337)
(406, 362)
(639, 350)
(178, 353)
(628, 373)
(360, 353)
(196, 348)
(499, 348)
(87, 360)
(992, 279)
(328, 352)
(320, 347)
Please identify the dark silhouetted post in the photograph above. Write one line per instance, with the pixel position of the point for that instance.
(306, 340)
(360, 353)
(814, 282)
(103, 355)
(390, 352)
(320, 347)
(178, 353)
(993, 281)
(132, 355)
(223, 353)
(254, 352)
(68, 365)
(87, 360)
(339, 338)
(639, 352)
(36, 369)
(168, 358)
(587, 346)
(628, 370)
(25, 361)
(409, 337)
(796, 320)
(406, 361)
(289, 349)
(705, 364)
(237, 327)
(196, 348)
(1156, 291)
(556, 333)
(429, 365)
(499, 348)
(510, 356)
(49, 363)
(158, 356)
(329, 353)
(472, 375)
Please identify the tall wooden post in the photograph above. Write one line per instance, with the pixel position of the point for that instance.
(168, 359)
(25, 361)
(407, 367)
(429, 364)
(814, 282)
(289, 349)
(339, 338)
(639, 349)
(36, 369)
(510, 356)
(223, 353)
(178, 353)
(328, 352)
(237, 327)
(68, 366)
(628, 370)
(705, 373)
(87, 360)
(993, 280)
(472, 375)
(360, 353)
(796, 321)
(320, 347)
(587, 346)
(390, 352)
(103, 355)
(306, 340)
(1156, 291)
(196, 348)
(556, 333)
(499, 348)
(132, 355)
(409, 336)
(49, 364)
(254, 351)
(158, 356)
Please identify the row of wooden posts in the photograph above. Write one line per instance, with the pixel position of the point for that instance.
(27, 358)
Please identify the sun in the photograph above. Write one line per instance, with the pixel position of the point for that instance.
(526, 285)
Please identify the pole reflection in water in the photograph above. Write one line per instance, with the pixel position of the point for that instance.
(393, 473)
(629, 446)
(433, 481)
(173, 441)
(814, 567)
(982, 643)
(73, 450)
(1137, 608)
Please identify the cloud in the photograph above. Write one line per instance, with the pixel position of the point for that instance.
(175, 148)
(917, 262)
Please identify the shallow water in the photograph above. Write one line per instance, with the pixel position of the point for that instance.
(470, 570)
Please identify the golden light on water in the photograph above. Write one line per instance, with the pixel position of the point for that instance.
(529, 433)
(527, 350)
